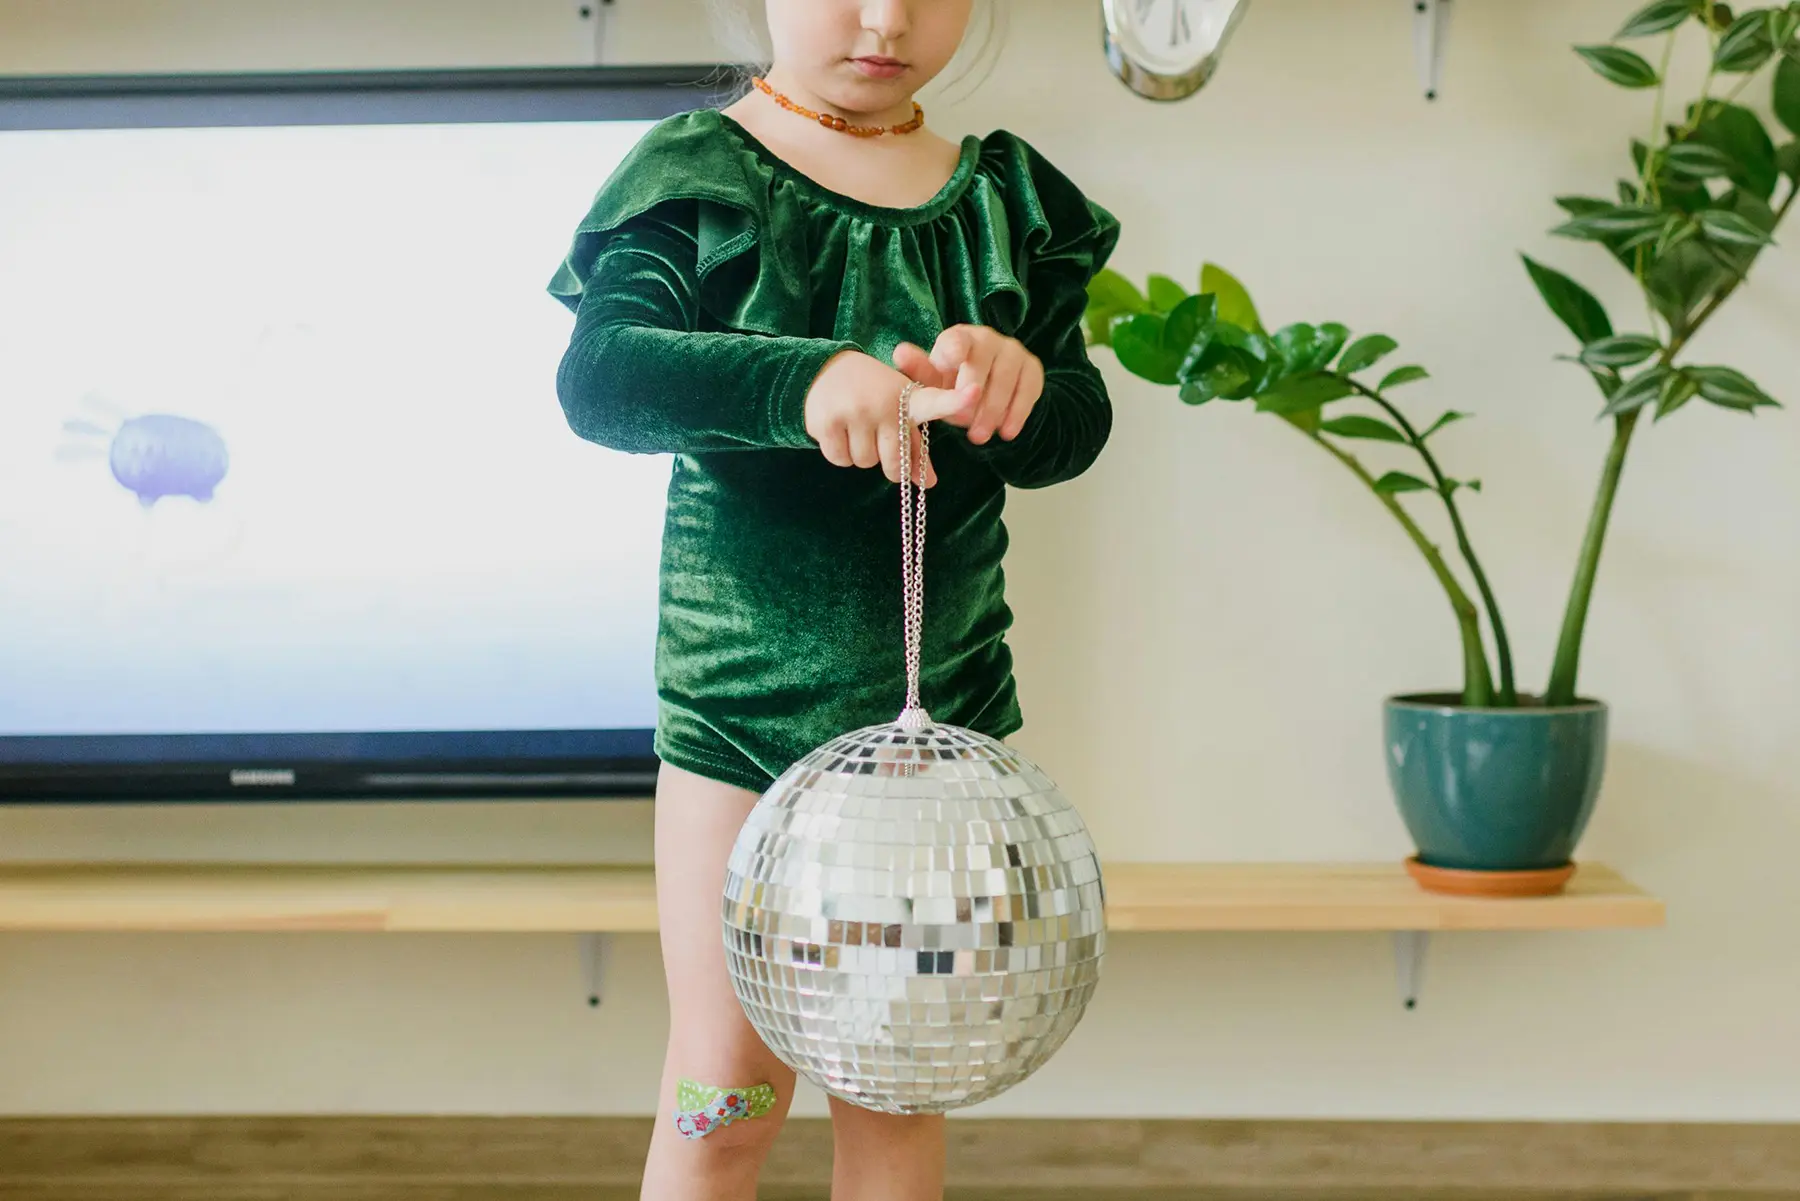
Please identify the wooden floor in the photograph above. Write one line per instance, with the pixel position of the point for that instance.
(312, 1191)
(450, 1158)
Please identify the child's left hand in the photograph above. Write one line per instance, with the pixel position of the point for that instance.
(1010, 378)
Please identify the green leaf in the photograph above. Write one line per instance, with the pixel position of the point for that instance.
(1450, 418)
(1658, 17)
(1637, 392)
(1165, 293)
(1618, 65)
(1789, 161)
(1675, 191)
(1663, 232)
(1733, 229)
(1195, 392)
(1573, 304)
(1225, 373)
(1450, 486)
(1332, 337)
(1739, 132)
(1696, 160)
(1783, 25)
(1746, 45)
(1113, 290)
(1787, 94)
(1253, 354)
(1615, 220)
(1399, 481)
(1681, 280)
(1740, 407)
(1729, 389)
(1677, 232)
(1366, 352)
(1362, 427)
(1402, 375)
(1686, 275)
(1301, 348)
(1757, 212)
(1235, 305)
(1677, 390)
(1191, 317)
(1299, 394)
(1138, 342)
(1620, 350)
(1110, 297)
(1584, 206)
(1230, 363)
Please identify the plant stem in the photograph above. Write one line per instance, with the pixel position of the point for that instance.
(1647, 189)
(1478, 684)
(1563, 671)
(1509, 695)
(1561, 690)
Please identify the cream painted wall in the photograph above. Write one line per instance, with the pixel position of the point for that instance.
(1207, 625)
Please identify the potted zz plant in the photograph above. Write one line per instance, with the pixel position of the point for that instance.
(1496, 786)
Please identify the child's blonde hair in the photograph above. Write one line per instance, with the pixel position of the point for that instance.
(740, 26)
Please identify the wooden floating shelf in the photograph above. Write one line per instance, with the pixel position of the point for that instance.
(525, 898)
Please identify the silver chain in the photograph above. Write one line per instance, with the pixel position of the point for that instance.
(912, 550)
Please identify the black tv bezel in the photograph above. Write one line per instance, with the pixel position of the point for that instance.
(413, 765)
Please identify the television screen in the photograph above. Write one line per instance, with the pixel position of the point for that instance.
(288, 506)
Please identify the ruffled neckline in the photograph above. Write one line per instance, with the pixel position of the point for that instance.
(946, 198)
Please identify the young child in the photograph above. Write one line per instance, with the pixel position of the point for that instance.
(753, 288)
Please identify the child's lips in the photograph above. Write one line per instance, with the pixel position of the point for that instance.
(880, 68)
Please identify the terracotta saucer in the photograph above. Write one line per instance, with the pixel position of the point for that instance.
(1544, 882)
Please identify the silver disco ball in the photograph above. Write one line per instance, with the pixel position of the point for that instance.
(914, 917)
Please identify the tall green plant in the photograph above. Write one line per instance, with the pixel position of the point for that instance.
(1689, 224)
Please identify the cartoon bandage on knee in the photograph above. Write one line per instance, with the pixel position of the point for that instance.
(701, 1109)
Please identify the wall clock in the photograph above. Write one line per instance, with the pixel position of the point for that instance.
(1167, 49)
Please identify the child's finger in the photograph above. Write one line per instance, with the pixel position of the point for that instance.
(834, 444)
(954, 347)
(997, 395)
(912, 362)
(937, 404)
(975, 361)
(1031, 390)
(890, 452)
(865, 446)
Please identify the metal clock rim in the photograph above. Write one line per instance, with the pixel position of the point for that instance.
(1151, 85)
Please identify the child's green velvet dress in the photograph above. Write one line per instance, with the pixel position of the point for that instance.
(711, 281)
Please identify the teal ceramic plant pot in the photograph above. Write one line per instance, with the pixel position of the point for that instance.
(1494, 790)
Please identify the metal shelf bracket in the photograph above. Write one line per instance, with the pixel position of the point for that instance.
(1431, 37)
(593, 967)
(1409, 964)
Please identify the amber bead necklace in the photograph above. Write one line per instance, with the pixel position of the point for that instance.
(830, 121)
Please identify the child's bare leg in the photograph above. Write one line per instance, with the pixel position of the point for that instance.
(885, 1157)
(710, 1041)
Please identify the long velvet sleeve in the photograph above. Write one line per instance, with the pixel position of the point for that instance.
(640, 376)
(1072, 420)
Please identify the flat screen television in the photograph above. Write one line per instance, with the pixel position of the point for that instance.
(288, 506)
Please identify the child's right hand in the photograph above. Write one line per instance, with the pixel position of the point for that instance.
(853, 413)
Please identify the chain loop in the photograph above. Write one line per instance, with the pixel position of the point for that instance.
(912, 551)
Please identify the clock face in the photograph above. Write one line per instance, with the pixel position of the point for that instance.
(1167, 49)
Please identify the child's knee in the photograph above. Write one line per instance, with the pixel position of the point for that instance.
(727, 1115)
